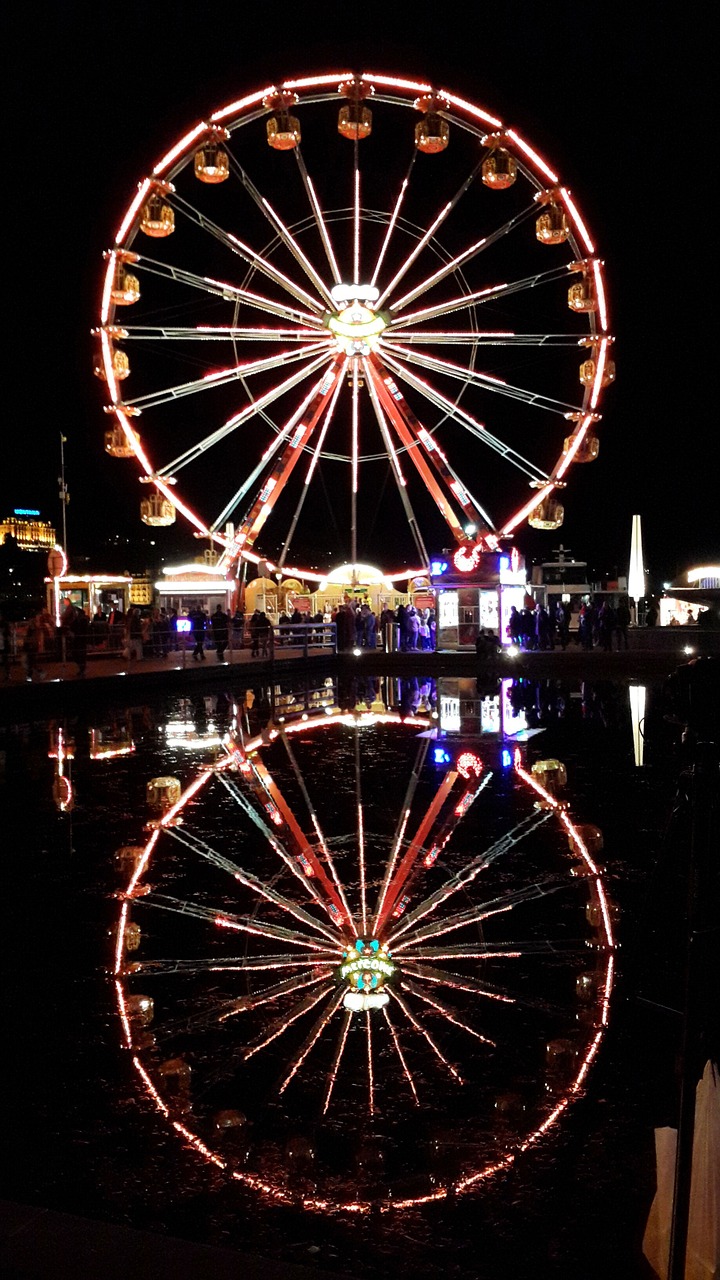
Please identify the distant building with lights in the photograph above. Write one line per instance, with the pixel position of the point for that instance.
(29, 531)
(687, 601)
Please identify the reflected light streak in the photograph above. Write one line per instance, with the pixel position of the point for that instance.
(278, 1030)
(332, 1074)
(371, 1079)
(455, 981)
(448, 1014)
(426, 1035)
(314, 1037)
(403, 1063)
(246, 1003)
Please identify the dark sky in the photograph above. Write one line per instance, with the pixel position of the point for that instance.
(616, 96)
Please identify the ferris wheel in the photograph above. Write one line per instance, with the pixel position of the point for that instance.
(340, 1003)
(353, 316)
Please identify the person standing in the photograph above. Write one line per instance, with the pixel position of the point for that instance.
(622, 622)
(197, 623)
(80, 636)
(5, 646)
(220, 623)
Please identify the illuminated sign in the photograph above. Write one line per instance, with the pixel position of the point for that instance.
(25, 511)
(466, 559)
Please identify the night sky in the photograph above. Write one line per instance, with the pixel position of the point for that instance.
(617, 97)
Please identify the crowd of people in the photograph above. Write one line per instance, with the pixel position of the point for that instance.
(603, 626)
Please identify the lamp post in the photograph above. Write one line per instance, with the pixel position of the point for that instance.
(64, 495)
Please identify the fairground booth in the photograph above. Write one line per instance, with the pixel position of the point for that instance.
(475, 591)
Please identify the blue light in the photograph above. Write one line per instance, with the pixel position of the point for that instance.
(506, 758)
(504, 562)
(25, 511)
(438, 567)
(440, 756)
(375, 944)
(359, 944)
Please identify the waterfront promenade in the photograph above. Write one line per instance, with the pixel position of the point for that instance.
(651, 655)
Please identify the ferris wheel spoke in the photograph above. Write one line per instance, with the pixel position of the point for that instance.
(468, 873)
(216, 333)
(414, 1022)
(311, 1039)
(243, 416)
(318, 830)
(227, 291)
(482, 295)
(445, 1011)
(228, 920)
(250, 881)
(396, 470)
(481, 338)
(250, 482)
(401, 1057)
(231, 964)
(485, 381)
(285, 234)
(457, 982)
(415, 847)
(400, 828)
(393, 220)
(248, 255)
(465, 419)
(498, 950)
(360, 835)
(431, 231)
(335, 1066)
(289, 458)
(209, 381)
(281, 1024)
(318, 216)
(219, 1012)
(268, 994)
(370, 1068)
(483, 911)
(309, 474)
(305, 856)
(424, 452)
(462, 259)
(456, 484)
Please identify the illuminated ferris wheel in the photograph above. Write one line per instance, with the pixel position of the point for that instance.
(350, 304)
(342, 1002)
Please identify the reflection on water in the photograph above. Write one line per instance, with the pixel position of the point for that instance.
(376, 990)
(364, 953)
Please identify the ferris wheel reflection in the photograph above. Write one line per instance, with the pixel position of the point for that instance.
(353, 926)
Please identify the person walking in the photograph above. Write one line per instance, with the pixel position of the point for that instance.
(32, 648)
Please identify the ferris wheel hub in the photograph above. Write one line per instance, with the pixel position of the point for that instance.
(356, 325)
